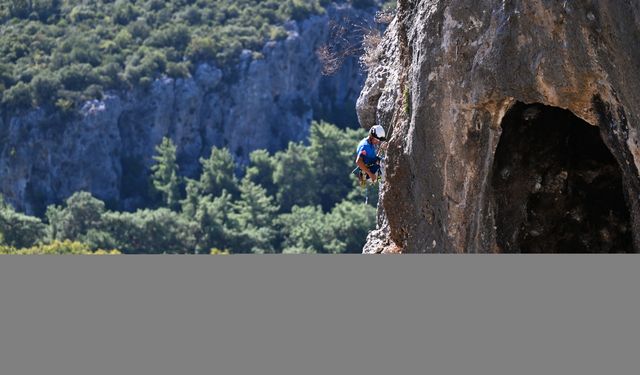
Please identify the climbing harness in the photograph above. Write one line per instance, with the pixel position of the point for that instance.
(363, 177)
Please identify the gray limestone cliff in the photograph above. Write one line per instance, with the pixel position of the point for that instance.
(514, 127)
(266, 101)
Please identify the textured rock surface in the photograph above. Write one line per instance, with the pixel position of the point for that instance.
(265, 102)
(461, 84)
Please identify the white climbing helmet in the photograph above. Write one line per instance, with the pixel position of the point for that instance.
(378, 132)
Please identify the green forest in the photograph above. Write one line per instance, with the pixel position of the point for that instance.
(299, 200)
(56, 54)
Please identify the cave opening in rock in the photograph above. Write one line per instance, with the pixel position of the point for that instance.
(557, 187)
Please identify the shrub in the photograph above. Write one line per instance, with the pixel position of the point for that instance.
(82, 213)
(370, 57)
(124, 12)
(93, 92)
(77, 77)
(18, 230)
(17, 96)
(177, 37)
(151, 231)
(6, 74)
(123, 39)
(192, 15)
(155, 5)
(201, 49)
(86, 53)
(45, 9)
(37, 36)
(178, 70)
(108, 75)
(277, 33)
(45, 88)
(216, 251)
(81, 13)
(229, 52)
(139, 29)
(19, 8)
(299, 250)
(27, 74)
(57, 248)
(65, 105)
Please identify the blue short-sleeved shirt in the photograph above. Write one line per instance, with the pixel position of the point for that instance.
(367, 151)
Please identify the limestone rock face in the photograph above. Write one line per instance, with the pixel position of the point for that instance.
(514, 127)
(265, 101)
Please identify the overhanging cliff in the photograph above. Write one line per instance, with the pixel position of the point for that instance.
(514, 127)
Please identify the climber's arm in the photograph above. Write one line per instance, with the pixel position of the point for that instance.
(360, 163)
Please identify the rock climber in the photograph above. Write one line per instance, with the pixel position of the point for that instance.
(367, 159)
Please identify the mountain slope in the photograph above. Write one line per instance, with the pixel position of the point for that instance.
(264, 100)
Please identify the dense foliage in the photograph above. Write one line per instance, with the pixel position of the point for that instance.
(299, 200)
(57, 248)
(57, 53)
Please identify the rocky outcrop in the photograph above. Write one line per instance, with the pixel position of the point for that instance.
(514, 127)
(266, 101)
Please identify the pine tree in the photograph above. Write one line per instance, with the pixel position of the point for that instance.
(331, 152)
(260, 170)
(218, 174)
(211, 218)
(192, 200)
(253, 218)
(350, 223)
(165, 173)
(295, 178)
(305, 230)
